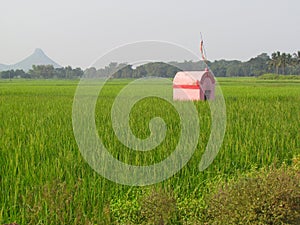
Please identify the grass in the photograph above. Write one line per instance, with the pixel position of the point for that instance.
(45, 180)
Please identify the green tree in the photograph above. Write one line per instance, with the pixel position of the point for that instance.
(284, 62)
(42, 71)
(90, 72)
(278, 60)
(273, 63)
(296, 58)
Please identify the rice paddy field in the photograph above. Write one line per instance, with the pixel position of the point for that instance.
(45, 180)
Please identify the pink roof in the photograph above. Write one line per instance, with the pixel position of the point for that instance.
(191, 77)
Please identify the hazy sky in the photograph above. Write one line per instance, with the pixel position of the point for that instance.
(75, 33)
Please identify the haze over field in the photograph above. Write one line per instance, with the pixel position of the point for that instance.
(78, 32)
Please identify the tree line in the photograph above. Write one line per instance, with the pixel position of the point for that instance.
(278, 63)
(44, 72)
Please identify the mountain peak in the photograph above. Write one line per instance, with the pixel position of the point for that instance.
(38, 51)
(38, 57)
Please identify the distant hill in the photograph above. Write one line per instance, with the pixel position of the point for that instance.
(38, 57)
(3, 67)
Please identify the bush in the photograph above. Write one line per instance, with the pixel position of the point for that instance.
(271, 76)
(151, 206)
(269, 197)
(159, 207)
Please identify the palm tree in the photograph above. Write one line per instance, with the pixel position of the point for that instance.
(283, 62)
(289, 60)
(278, 61)
(273, 63)
(296, 57)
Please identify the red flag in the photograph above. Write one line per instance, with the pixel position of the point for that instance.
(201, 47)
(201, 50)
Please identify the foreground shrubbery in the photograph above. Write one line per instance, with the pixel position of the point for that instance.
(266, 197)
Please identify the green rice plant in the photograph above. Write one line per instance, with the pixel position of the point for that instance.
(45, 180)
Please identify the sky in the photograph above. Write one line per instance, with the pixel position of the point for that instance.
(76, 33)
